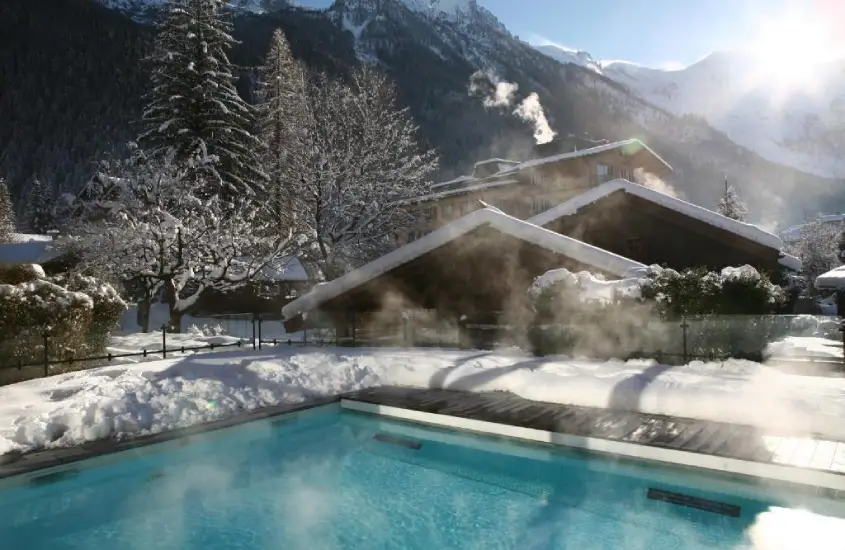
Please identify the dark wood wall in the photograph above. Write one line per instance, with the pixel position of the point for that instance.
(484, 274)
(652, 234)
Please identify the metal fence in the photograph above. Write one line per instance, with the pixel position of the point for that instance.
(708, 338)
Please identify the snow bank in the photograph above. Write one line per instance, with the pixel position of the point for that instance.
(151, 397)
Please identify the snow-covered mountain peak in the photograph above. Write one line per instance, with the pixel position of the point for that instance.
(570, 55)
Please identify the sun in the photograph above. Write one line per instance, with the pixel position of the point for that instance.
(790, 49)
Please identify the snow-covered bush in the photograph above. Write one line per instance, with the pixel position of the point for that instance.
(32, 309)
(735, 290)
(108, 307)
(77, 313)
(582, 314)
(727, 313)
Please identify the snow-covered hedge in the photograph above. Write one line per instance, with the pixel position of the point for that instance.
(734, 290)
(582, 314)
(77, 314)
(726, 313)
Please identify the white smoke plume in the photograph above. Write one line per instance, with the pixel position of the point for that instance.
(647, 179)
(495, 93)
(530, 110)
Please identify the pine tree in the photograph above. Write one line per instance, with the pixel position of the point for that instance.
(731, 206)
(194, 109)
(281, 114)
(841, 245)
(39, 208)
(7, 214)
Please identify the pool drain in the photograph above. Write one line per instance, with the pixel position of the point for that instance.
(689, 501)
(402, 442)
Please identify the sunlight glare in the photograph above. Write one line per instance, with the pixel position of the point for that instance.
(789, 50)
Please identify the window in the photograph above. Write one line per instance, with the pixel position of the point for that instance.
(431, 213)
(466, 207)
(447, 211)
(634, 248)
(539, 177)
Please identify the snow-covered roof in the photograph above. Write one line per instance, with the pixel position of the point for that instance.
(490, 184)
(459, 179)
(496, 160)
(570, 207)
(832, 280)
(288, 268)
(567, 246)
(628, 143)
(27, 252)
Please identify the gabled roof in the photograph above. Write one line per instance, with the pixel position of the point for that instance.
(745, 230)
(633, 145)
(832, 280)
(567, 246)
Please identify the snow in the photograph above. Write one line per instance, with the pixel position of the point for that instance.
(631, 144)
(806, 346)
(745, 230)
(593, 288)
(832, 280)
(567, 246)
(72, 408)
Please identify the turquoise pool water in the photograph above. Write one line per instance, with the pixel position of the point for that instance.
(326, 479)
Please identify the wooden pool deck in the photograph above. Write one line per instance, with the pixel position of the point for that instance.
(729, 448)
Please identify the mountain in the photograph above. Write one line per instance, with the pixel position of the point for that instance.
(431, 49)
(793, 115)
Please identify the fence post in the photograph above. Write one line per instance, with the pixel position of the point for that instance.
(46, 353)
(842, 330)
(354, 340)
(164, 340)
(259, 331)
(304, 329)
(684, 327)
(253, 331)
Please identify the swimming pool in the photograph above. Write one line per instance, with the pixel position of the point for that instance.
(327, 478)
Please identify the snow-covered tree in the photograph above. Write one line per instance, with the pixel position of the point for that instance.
(7, 214)
(818, 249)
(841, 245)
(148, 226)
(281, 117)
(39, 207)
(357, 165)
(194, 108)
(731, 206)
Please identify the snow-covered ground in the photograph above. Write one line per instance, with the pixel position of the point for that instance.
(151, 397)
(806, 347)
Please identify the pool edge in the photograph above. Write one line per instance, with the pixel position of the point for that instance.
(43, 461)
(776, 472)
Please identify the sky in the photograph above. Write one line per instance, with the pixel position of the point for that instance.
(669, 33)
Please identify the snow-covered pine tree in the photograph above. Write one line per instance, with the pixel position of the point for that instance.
(39, 207)
(731, 206)
(194, 109)
(7, 214)
(145, 225)
(818, 250)
(359, 165)
(281, 116)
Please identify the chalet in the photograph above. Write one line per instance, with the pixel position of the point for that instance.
(654, 228)
(274, 286)
(834, 281)
(479, 266)
(524, 189)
